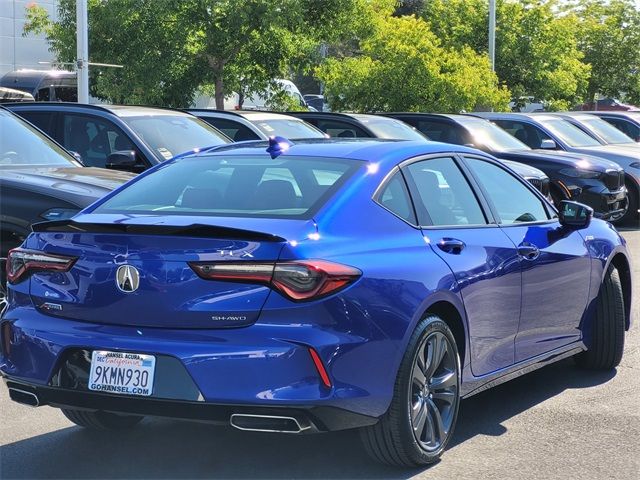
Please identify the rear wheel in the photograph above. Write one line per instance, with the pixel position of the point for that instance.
(607, 327)
(420, 421)
(100, 420)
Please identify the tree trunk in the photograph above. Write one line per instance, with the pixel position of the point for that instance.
(217, 66)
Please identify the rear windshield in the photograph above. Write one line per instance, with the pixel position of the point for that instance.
(238, 186)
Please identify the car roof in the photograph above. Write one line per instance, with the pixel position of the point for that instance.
(576, 115)
(118, 110)
(364, 149)
(515, 115)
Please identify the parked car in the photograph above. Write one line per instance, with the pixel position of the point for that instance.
(43, 85)
(9, 95)
(627, 122)
(120, 137)
(587, 179)
(599, 129)
(539, 130)
(252, 125)
(527, 104)
(357, 125)
(318, 102)
(609, 104)
(299, 291)
(40, 181)
(343, 125)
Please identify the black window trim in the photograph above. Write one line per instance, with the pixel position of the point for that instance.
(549, 209)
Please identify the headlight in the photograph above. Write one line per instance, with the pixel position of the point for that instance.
(579, 173)
(59, 213)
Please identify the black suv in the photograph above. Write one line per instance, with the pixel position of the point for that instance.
(594, 181)
(119, 137)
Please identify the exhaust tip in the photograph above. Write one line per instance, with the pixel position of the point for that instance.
(268, 423)
(24, 397)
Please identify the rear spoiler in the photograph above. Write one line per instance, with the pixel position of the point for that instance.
(194, 230)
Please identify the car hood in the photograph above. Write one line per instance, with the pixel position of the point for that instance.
(620, 155)
(570, 159)
(82, 181)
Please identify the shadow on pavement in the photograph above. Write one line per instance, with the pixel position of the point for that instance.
(168, 449)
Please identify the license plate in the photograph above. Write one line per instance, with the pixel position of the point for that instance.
(122, 373)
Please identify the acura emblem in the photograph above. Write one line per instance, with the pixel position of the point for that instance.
(127, 278)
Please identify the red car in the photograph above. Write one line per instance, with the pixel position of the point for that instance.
(608, 104)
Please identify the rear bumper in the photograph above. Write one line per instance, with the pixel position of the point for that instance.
(200, 373)
(313, 419)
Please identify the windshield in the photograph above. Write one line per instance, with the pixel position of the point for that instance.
(239, 186)
(489, 135)
(390, 128)
(21, 144)
(606, 131)
(170, 135)
(569, 134)
(291, 129)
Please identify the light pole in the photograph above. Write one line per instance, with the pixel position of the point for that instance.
(82, 58)
(492, 34)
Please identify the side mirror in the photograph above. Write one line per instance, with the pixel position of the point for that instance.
(548, 144)
(124, 160)
(574, 214)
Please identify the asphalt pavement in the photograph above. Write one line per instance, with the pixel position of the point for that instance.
(556, 423)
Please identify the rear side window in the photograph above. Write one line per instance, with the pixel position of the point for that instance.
(395, 198)
(442, 194)
(291, 187)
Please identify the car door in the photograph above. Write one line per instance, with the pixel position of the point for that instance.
(555, 262)
(457, 225)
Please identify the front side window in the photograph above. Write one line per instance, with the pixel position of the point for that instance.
(93, 138)
(442, 195)
(513, 201)
(21, 144)
(245, 186)
(236, 131)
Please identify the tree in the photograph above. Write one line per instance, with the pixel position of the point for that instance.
(403, 66)
(609, 37)
(170, 49)
(536, 47)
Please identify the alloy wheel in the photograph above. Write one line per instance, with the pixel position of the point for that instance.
(433, 391)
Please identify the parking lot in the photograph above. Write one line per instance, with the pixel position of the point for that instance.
(558, 422)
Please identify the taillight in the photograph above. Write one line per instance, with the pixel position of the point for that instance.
(298, 280)
(22, 263)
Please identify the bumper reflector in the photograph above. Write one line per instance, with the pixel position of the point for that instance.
(322, 371)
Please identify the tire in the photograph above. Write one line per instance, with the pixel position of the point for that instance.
(607, 327)
(100, 420)
(632, 217)
(392, 440)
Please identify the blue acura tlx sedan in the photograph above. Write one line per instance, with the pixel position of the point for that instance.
(307, 287)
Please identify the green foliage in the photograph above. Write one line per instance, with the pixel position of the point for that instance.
(609, 36)
(402, 66)
(170, 49)
(536, 49)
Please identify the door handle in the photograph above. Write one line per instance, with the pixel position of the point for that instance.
(451, 245)
(528, 251)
